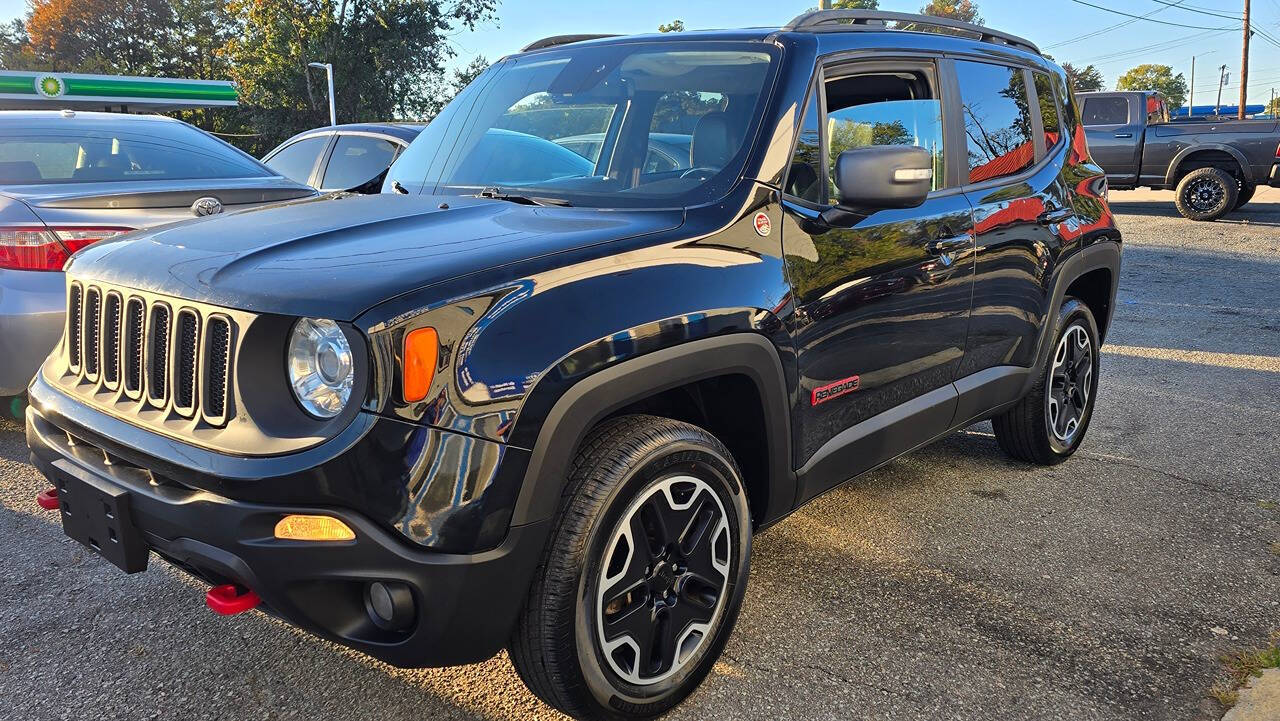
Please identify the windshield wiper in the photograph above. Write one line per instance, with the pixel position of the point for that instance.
(497, 193)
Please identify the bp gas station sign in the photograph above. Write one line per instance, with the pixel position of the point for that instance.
(21, 90)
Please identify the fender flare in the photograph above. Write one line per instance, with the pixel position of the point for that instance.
(1102, 254)
(1170, 176)
(593, 398)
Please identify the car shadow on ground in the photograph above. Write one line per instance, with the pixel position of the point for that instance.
(1261, 214)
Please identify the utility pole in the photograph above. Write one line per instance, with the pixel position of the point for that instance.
(1191, 93)
(824, 5)
(1244, 64)
(1222, 80)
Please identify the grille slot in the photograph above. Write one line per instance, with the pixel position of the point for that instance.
(135, 324)
(158, 375)
(75, 309)
(185, 375)
(217, 367)
(111, 341)
(92, 323)
(134, 351)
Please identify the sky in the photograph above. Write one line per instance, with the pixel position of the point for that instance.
(1066, 29)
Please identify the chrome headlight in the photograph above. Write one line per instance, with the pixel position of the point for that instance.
(321, 367)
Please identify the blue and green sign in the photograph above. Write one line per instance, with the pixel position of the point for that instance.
(31, 90)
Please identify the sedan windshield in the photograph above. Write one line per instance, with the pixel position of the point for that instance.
(637, 124)
(44, 150)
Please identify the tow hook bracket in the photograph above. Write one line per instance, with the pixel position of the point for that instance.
(48, 500)
(230, 599)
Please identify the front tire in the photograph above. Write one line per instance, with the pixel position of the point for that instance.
(643, 576)
(1050, 422)
(1206, 194)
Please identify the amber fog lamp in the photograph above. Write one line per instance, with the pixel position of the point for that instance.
(313, 528)
(421, 350)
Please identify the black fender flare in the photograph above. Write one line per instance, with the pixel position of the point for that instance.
(1171, 175)
(596, 396)
(1101, 254)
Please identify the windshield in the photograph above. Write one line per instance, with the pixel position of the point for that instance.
(45, 150)
(618, 125)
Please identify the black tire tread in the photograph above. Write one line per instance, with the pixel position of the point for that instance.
(1231, 185)
(544, 656)
(1020, 431)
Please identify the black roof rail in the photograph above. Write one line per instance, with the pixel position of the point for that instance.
(555, 40)
(878, 20)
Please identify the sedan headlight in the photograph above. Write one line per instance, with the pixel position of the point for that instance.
(321, 368)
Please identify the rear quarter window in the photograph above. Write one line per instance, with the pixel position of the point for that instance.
(1106, 111)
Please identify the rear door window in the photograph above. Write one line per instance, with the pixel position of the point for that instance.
(296, 161)
(1106, 111)
(997, 120)
(357, 159)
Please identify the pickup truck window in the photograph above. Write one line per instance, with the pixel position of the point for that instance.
(883, 108)
(997, 120)
(1106, 111)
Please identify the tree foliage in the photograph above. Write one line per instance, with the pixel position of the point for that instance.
(855, 5)
(1084, 80)
(1150, 76)
(675, 26)
(389, 56)
(963, 10)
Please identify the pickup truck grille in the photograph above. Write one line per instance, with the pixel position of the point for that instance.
(138, 352)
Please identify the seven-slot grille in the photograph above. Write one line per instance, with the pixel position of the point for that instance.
(174, 356)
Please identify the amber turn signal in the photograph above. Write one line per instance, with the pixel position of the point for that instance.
(421, 350)
(313, 528)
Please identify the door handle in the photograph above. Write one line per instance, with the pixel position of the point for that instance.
(1124, 135)
(942, 246)
(1053, 217)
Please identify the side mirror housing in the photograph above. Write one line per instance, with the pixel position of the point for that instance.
(881, 177)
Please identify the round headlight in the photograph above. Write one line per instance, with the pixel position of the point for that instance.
(321, 368)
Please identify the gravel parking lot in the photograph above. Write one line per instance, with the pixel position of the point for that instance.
(950, 584)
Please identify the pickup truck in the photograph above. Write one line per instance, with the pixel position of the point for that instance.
(1214, 165)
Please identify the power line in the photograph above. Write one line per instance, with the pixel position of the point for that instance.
(1148, 19)
(1203, 11)
(1163, 44)
(1109, 28)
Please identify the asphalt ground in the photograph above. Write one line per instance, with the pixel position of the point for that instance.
(952, 583)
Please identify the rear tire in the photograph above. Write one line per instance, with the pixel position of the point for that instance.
(1049, 423)
(643, 575)
(1206, 194)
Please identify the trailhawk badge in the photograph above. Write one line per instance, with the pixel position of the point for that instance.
(207, 205)
(763, 224)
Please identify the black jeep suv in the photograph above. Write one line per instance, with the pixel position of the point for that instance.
(541, 392)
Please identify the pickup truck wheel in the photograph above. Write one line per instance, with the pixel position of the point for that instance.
(1049, 423)
(1246, 194)
(643, 576)
(1206, 194)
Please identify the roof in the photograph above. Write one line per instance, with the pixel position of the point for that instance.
(403, 131)
(71, 116)
(29, 89)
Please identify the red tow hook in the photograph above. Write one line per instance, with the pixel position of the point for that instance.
(48, 500)
(230, 599)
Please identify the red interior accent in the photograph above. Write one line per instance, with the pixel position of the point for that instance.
(48, 500)
(229, 599)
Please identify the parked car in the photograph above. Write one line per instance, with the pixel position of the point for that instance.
(342, 157)
(1214, 166)
(549, 413)
(69, 179)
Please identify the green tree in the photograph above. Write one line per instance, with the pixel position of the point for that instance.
(1273, 107)
(675, 26)
(1084, 80)
(1150, 76)
(388, 58)
(963, 10)
(855, 5)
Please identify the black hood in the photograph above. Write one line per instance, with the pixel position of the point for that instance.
(336, 256)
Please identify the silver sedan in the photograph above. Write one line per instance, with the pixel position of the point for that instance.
(68, 179)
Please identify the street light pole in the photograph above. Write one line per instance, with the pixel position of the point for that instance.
(328, 68)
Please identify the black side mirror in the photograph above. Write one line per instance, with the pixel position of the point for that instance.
(881, 177)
